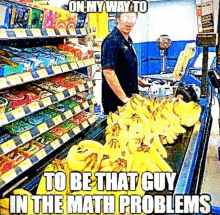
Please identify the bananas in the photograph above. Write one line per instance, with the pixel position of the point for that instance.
(135, 142)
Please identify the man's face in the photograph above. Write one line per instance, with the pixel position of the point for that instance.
(126, 22)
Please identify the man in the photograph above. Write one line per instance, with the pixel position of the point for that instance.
(119, 64)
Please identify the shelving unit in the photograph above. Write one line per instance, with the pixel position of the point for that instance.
(23, 38)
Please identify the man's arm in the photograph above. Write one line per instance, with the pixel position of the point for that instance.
(113, 82)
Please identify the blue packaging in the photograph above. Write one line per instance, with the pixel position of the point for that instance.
(5, 16)
(59, 58)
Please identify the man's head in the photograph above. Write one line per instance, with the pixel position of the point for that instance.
(126, 21)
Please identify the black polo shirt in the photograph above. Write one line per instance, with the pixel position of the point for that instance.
(118, 54)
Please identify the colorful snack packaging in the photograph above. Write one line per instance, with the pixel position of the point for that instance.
(17, 127)
(45, 138)
(40, 116)
(30, 148)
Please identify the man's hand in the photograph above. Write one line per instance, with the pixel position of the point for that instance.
(125, 101)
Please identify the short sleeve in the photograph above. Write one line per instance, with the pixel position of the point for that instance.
(110, 49)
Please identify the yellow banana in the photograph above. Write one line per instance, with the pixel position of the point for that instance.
(90, 144)
(161, 163)
(4, 211)
(4, 203)
(149, 163)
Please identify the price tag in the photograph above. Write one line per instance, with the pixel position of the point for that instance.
(76, 130)
(50, 32)
(55, 144)
(47, 101)
(74, 65)
(65, 68)
(8, 146)
(94, 101)
(72, 91)
(72, 32)
(26, 77)
(81, 87)
(83, 31)
(65, 137)
(77, 109)
(3, 34)
(86, 62)
(42, 73)
(42, 128)
(56, 69)
(90, 84)
(60, 96)
(9, 176)
(21, 33)
(91, 61)
(68, 114)
(36, 32)
(26, 164)
(85, 124)
(14, 80)
(63, 32)
(94, 118)
(3, 119)
(91, 120)
(80, 63)
(34, 106)
(57, 120)
(41, 154)
(26, 136)
(85, 105)
(3, 83)
(18, 113)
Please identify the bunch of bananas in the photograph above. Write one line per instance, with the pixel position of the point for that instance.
(135, 139)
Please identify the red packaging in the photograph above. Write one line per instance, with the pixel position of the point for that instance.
(30, 148)
(5, 165)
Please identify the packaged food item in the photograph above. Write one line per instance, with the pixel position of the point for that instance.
(7, 70)
(59, 58)
(64, 106)
(63, 128)
(45, 138)
(30, 148)
(22, 95)
(78, 99)
(3, 105)
(5, 165)
(81, 117)
(51, 87)
(35, 62)
(17, 127)
(47, 60)
(20, 65)
(15, 157)
(4, 136)
(69, 56)
(40, 116)
(5, 16)
(21, 16)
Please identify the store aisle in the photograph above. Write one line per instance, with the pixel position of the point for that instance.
(215, 116)
(212, 166)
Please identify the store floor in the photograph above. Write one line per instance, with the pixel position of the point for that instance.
(212, 167)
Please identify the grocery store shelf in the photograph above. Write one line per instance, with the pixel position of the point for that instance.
(15, 80)
(35, 106)
(38, 130)
(44, 152)
(36, 33)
